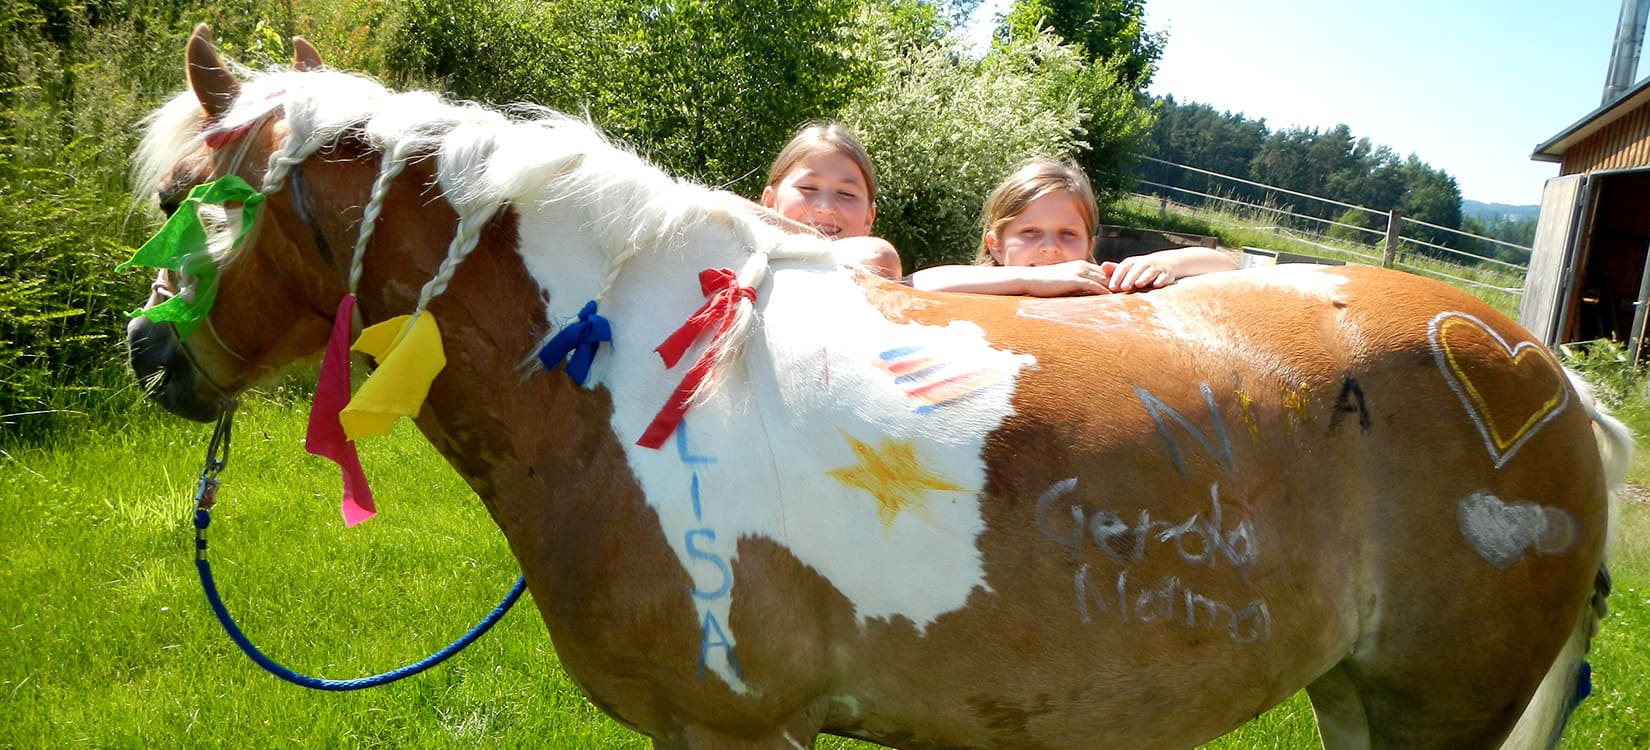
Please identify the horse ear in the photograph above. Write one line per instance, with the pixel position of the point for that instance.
(304, 55)
(209, 78)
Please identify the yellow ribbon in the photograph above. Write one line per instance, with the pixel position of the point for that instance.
(408, 359)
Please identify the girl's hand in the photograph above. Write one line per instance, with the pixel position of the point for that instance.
(1137, 274)
(1143, 273)
(1063, 279)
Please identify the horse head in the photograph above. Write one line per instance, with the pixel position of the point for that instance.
(316, 155)
(286, 278)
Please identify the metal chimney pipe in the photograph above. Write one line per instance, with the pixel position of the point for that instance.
(1624, 54)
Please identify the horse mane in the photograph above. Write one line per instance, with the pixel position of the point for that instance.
(485, 160)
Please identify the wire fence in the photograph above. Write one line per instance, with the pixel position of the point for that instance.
(1411, 244)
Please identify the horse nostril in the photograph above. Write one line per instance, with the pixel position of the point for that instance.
(164, 370)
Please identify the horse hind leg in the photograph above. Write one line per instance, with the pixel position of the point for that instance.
(1359, 711)
(1339, 709)
(1542, 723)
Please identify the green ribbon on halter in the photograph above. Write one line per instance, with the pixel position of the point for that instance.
(180, 246)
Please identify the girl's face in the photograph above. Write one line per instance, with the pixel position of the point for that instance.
(827, 192)
(1050, 230)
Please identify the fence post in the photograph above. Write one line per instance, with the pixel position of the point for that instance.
(1393, 219)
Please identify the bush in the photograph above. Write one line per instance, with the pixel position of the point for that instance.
(1616, 382)
(1351, 218)
(944, 129)
(78, 79)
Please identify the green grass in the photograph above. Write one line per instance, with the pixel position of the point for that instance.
(109, 643)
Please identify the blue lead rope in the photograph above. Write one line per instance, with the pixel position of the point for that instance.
(206, 490)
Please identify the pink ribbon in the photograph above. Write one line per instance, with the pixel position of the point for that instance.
(723, 294)
(325, 436)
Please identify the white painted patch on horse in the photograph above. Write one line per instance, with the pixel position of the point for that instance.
(849, 704)
(761, 450)
(1102, 313)
(1294, 278)
(823, 516)
(1186, 310)
(1501, 532)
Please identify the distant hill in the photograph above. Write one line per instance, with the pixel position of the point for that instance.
(1488, 211)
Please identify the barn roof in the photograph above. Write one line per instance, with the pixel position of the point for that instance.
(1553, 149)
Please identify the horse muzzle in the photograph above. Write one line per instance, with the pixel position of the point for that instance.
(163, 367)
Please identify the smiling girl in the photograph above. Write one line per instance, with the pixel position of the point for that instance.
(824, 179)
(1039, 228)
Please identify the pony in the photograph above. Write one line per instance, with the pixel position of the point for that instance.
(924, 520)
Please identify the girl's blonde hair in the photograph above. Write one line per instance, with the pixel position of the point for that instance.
(1033, 179)
(824, 137)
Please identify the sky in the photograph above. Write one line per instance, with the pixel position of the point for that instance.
(1468, 86)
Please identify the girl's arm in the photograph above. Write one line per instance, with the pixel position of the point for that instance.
(1072, 277)
(1140, 273)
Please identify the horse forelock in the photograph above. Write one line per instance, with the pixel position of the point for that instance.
(170, 133)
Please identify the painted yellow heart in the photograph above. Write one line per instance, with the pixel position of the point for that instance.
(1509, 394)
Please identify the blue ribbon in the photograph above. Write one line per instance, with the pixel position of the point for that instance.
(579, 339)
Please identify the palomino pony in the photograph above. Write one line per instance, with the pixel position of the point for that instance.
(926, 520)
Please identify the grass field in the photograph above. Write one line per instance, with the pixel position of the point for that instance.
(109, 642)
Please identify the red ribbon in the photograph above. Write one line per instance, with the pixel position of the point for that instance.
(723, 292)
(325, 436)
(220, 137)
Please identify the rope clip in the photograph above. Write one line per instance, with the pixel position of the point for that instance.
(217, 457)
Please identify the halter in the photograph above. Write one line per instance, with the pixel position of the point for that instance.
(162, 290)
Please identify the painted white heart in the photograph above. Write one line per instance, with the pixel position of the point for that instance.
(1500, 532)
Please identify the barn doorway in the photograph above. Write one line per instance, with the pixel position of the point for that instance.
(1587, 277)
(1610, 276)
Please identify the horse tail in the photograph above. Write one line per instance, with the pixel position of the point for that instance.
(1569, 679)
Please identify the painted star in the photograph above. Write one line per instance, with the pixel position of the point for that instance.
(892, 474)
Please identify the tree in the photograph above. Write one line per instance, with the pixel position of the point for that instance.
(1118, 56)
(1103, 29)
(1197, 135)
(709, 89)
(1430, 195)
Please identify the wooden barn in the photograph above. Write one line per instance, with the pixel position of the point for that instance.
(1588, 277)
